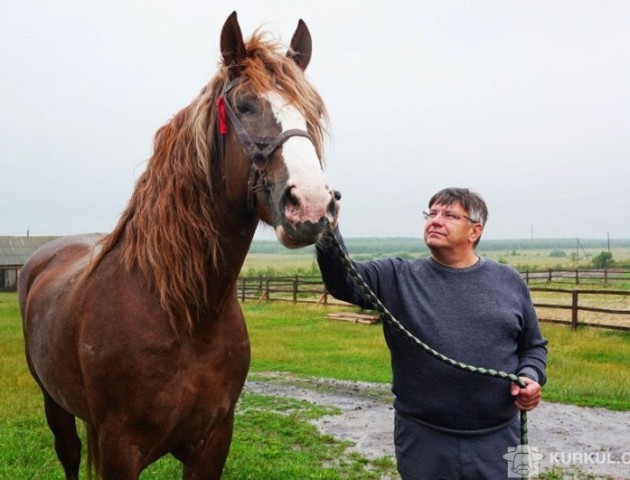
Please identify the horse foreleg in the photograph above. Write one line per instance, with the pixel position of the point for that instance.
(209, 461)
(67, 442)
(119, 456)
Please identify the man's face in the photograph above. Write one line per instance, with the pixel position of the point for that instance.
(450, 226)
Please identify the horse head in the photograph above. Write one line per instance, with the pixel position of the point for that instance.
(269, 123)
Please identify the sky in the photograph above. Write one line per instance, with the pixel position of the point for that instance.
(526, 102)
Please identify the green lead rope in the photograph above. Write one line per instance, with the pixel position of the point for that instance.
(386, 315)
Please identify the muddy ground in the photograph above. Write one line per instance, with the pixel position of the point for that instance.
(590, 439)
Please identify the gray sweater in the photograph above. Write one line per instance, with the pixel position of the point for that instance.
(482, 315)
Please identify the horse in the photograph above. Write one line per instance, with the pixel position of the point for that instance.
(139, 333)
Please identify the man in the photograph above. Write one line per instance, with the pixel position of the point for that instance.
(449, 423)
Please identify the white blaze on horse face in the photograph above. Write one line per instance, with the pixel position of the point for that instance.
(303, 166)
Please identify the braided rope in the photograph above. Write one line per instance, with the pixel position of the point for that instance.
(386, 315)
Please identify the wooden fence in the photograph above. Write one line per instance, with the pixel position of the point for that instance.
(575, 307)
(577, 276)
(583, 307)
(9, 273)
(296, 289)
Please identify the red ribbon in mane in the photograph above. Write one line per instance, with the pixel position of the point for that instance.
(222, 120)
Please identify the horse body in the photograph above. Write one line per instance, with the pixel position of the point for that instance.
(139, 333)
(121, 349)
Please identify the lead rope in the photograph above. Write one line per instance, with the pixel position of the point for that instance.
(386, 315)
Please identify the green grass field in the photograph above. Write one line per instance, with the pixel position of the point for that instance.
(303, 262)
(273, 439)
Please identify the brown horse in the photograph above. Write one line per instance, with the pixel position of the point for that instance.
(139, 333)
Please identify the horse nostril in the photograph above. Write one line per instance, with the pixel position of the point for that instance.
(290, 198)
(333, 210)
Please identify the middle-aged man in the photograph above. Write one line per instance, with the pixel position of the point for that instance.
(449, 423)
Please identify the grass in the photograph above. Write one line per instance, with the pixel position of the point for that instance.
(300, 340)
(541, 259)
(270, 264)
(588, 367)
(273, 438)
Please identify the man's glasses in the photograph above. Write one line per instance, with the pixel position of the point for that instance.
(447, 215)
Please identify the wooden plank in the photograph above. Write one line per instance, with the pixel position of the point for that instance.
(364, 318)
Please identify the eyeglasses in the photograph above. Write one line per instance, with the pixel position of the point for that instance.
(448, 216)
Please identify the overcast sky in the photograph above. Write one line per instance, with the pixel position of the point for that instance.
(526, 102)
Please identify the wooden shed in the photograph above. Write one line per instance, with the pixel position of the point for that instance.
(14, 251)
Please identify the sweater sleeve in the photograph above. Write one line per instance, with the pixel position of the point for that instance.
(338, 281)
(532, 345)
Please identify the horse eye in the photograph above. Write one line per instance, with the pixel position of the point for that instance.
(245, 107)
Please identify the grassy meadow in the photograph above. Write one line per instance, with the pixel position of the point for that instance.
(273, 439)
(289, 262)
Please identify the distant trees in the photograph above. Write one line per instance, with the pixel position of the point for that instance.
(603, 260)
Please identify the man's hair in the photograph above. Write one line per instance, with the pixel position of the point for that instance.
(472, 202)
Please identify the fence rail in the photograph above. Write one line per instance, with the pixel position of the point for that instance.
(575, 307)
(296, 289)
(577, 276)
(9, 274)
(587, 301)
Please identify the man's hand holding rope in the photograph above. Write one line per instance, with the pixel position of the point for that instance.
(528, 397)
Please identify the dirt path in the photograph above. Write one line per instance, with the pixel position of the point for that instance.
(595, 440)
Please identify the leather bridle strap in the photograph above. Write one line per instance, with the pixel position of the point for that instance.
(252, 143)
(257, 148)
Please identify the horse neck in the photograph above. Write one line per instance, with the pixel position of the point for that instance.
(236, 231)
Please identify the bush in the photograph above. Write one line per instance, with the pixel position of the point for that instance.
(603, 260)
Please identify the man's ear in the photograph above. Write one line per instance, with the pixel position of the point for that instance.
(475, 232)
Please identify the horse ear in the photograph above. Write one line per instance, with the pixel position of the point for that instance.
(301, 46)
(232, 45)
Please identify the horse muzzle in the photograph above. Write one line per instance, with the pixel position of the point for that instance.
(305, 215)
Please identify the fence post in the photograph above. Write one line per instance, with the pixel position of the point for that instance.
(243, 290)
(550, 275)
(574, 309)
(527, 277)
(577, 276)
(323, 299)
(605, 275)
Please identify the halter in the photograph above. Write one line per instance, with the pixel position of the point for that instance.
(257, 148)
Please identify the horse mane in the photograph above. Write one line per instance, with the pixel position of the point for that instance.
(168, 231)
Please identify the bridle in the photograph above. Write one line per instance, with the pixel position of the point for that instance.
(257, 148)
